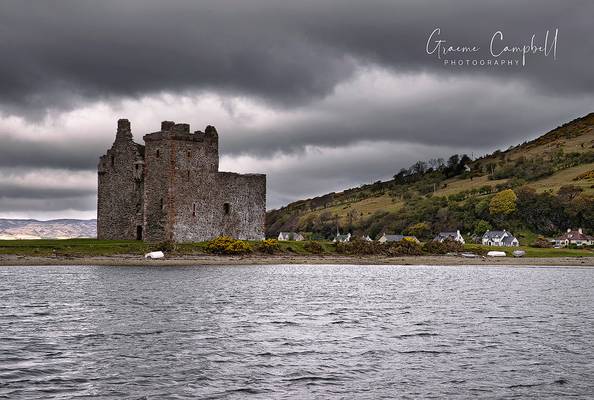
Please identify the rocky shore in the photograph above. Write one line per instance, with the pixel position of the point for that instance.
(201, 260)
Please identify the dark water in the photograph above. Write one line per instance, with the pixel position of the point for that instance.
(327, 332)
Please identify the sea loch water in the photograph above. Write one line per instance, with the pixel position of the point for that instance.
(326, 332)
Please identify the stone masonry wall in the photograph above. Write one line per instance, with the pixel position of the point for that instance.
(223, 203)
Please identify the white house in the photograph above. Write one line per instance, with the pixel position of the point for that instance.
(577, 237)
(453, 235)
(342, 238)
(396, 238)
(499, 238)
(284, 236)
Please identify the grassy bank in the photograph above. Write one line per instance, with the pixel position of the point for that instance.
(98, 248)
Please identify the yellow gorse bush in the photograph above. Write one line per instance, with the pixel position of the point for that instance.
(269, 246)
(228, 245)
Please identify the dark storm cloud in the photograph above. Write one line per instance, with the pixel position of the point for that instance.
(293, 56)
(72, 155)
(59, 53)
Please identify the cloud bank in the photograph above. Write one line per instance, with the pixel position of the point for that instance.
(337, 93)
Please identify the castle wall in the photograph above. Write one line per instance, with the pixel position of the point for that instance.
(120, 189)
(219, 204)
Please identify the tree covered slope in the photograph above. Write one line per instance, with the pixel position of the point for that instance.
(551, 177)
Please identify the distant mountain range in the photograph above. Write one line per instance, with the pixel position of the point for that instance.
(53, 229)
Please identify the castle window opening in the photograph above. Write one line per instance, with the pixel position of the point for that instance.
(227, 208)
(158, 153)
(194, 210)
(112, 160)
(161, 203)
(189, 153)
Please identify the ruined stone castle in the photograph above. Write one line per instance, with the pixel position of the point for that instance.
(170, 189)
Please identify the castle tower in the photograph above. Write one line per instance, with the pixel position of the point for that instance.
(184, 197)
(120, 189)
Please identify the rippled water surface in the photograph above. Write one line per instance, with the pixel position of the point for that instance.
(300, 332)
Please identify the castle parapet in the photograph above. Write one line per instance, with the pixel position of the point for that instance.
(167, 125)
(124, 132)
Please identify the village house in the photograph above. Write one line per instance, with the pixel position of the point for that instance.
(499, 238)
(574, 237)
(342, 238)
(453, 235)
(396, 238)
(285, 236)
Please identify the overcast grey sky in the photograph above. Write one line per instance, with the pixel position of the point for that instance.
(320, 95)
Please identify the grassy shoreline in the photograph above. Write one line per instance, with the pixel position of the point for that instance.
(96, 252)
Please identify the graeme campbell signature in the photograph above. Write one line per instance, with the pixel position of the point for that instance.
(498, 48)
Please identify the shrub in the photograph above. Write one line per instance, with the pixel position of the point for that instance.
(166, 247)
(481, 227)
(405, 247)
(228, 245)
(358, 248)
(269, 246)
(541, 243)
(447, 246)
(313, 247)
(503, 203)
(420, 229)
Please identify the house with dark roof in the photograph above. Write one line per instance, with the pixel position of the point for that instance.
(574, 237)
(342, 238)
(396, 238)
(285, 236)
(452, 235)
(499, 238)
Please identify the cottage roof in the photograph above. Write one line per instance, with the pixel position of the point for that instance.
(508, 239)
(496, 234)
(575, 235)
(397, 238)
(446, 235)
(287, 235)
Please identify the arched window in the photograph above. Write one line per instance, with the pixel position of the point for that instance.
(226, 208)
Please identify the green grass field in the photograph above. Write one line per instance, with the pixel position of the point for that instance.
(93, 248)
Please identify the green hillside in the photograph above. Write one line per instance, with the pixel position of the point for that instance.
(552, 178)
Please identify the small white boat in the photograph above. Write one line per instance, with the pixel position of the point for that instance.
(496, 254)
(519, 253)
(469, 255)
(154, 255)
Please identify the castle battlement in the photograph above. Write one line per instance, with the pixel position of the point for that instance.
(170, 189)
